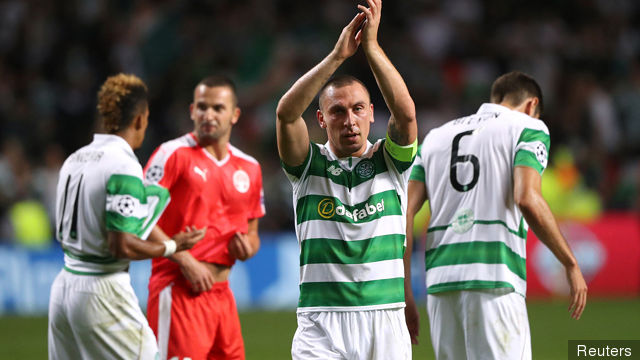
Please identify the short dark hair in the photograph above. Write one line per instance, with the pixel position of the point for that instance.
(514, 88)
(220, 80)
(338, 81)
(120, 99)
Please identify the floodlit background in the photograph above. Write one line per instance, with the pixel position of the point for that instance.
(584, 53)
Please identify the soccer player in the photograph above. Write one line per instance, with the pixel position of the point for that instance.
(212, 184)
(103, 213)
(481, 175)
(349, 197)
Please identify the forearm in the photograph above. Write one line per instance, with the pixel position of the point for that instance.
(159, 236)
(403, 126)
(408, 251)
(540, 219)
(128, 246)
(301, 94)
(254, 240)
(182, 258)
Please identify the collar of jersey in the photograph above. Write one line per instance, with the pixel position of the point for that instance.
(348, 162)
(213, 158)
(492, 108)
(115, 140)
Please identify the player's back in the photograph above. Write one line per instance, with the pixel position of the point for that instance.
(468, 166)
(81, 199)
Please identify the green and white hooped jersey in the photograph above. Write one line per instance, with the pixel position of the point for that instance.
(350, 224)
(477, 236)
(100, 189)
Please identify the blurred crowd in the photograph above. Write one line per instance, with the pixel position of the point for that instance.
(55, 54)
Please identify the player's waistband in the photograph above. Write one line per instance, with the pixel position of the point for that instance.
(94, 273)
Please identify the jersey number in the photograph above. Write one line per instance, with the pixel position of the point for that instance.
(456, 158)
(73, 231)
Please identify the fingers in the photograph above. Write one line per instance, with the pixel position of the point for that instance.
(203, 284)
(414, 337)
(365, 10)
(357, 20)
(578, 303)
(242, 246)
(414, 331)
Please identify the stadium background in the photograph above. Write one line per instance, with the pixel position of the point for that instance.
(585, 54)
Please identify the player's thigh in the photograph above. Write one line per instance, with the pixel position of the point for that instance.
(496, 325)
(390, 336)
(108, 322)
(445, 325)
(228, 343)
(318, 336)
(61, 341)
(188, 322)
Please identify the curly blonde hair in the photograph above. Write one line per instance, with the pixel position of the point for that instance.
(120, 99)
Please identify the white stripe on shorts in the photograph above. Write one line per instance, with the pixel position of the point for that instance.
(164, 321)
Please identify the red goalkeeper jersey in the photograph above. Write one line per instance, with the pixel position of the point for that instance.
(219, 194)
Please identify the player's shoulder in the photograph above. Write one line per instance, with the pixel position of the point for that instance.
(438, 134)
(184, 141)
(171, 147)
(239, 155)
(520, 121)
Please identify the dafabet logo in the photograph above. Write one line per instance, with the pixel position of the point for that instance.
(326, 208)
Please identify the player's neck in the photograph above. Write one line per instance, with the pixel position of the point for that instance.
(218, 149)
(130, 137)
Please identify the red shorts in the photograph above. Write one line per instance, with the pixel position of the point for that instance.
(193, 325)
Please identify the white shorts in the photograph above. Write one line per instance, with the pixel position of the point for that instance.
(479, 324)
(372, 334)
(97, 317)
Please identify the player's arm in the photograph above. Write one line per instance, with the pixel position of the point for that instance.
(417, 195)
(129, 246)
(402, 127)
(245, 246)
(291, 130)
(528, 197)
(197, 274)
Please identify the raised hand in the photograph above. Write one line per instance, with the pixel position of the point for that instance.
(370, 28)
(350, 38)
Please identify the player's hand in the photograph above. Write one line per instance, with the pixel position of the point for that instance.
(578, 291)
(186, 239)
(350, 38)
(412, 317)
(240, 247)
(197, 274)
(370, 28)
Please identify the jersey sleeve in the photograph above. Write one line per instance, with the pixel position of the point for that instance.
(402, 156)
(532, 149)
(133, 207)
(296, 172)
(162, 168)
(257, 209)
(417, 172)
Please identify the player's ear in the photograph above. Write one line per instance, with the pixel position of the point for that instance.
(138, 121)
(372, 117)
(236, 115)
(320, 118)
(531, 107)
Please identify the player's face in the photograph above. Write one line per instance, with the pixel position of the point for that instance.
(213, 112)
(347, 113)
